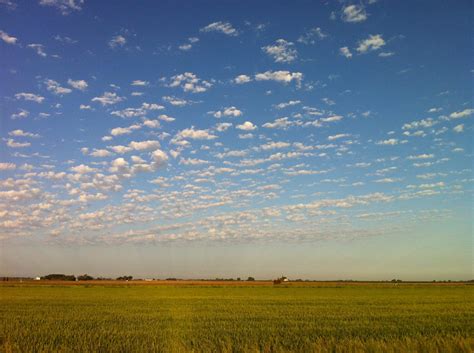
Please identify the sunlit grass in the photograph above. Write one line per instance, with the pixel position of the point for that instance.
(237, 319)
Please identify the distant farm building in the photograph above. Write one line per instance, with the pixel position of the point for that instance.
(280, 280)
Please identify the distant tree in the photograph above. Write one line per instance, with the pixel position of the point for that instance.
(250, 279)
(171, 279)
(125, 278)
(238, 278)
(59, 277)
(85, 277)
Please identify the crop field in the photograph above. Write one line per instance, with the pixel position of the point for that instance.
(207, 317)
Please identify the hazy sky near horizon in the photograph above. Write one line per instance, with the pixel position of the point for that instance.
(328, 140)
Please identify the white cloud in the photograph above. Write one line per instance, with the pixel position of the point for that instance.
(13, 144)
(56, 88)
(223, 126)
(65, 6)
(124, 130)
(195, 134)
(389, 142)
(20, 115)
(274, 145)
(21, 133)
(119, 166)
(78, 84)
(117, 41)
(374, 42)
(85, 107)
(222, 27)
(100, 153)
(192, 161)
(140, 83)
(421, 156)
(229, 111)
(354, 14)
(280, 123)
(245, 136)
(136, 112)
(159, 158)
(458, 128)
(338, 136)
(386, 54)
(313, 35)
(242, 79)
(287, 104)
(82, 169)
(424, 123)
(185, 47)
(461, 114)
(282, 51)
(344, 51)
(7, 166)
(7, 38)
(189, 82)
(178, 102)
(246, 126)
(108, 98)
(144, 145)
(39, 48)
(166, 118)
(280, 76)
(30, 97)
(331, 119)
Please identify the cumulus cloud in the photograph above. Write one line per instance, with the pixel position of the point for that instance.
(338, 136)
(39, 48)
(461, 114)
(374, 42)
(117, 41)
(195, 134)
(354, 14)
(56, 88)
(312, 36)
(21, 133)
(282, 76)
(140, 83)
(144, 145)
(344, 51)
(159, 158)
(388, 142)
(20, 115)
(246, 126)
(64, 6)
(30, 97)
(242, 79)
(287, 104)
(136, 112)
(222, 27)
(7, 166)
(108, 98)
(178, 102)
(282, 51)
(7, 38)
(229, 111)
(223, 126)
(458, 128)
(124, 130)
(80, 85)
(189, 82)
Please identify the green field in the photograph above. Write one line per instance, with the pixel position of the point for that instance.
(315, 318)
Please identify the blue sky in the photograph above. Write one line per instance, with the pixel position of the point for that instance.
(234, 138)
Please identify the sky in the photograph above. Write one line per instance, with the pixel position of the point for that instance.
(203, 139)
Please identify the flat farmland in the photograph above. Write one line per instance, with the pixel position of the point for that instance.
(196, 316)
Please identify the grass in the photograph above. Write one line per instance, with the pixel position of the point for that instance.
(220, 318)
